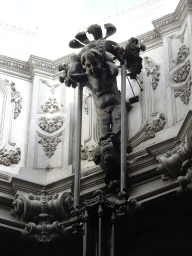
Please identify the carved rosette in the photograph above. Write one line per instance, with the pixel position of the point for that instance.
(182, 53)
(50, 145)
(44, 209)
(10, 157)
(51, 125)
(153, 70)
(154, 127)
(181, 74)
(184, 93)
(51, 106)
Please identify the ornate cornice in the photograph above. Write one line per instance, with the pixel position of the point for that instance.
(49, 68)
(174, 20)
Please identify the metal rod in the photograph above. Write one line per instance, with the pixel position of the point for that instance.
(112, 245)
(123, 127)
(139, 79)
(139, 84)
(96, 244)
(100, 214)
(85, 233)
(78, 146)
(131, 87)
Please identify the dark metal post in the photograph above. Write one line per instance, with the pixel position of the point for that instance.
(123, 127)
(86, 217)
(78, 146)
(100, 214)
(112, 246)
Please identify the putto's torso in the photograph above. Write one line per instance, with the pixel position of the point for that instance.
(104, 90)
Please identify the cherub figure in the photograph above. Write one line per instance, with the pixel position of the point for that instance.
(100, 77)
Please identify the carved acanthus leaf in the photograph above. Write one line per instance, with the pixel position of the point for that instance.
(10, 157)
(51, 106)
(46, 209)
(181, 74)
(50, 124)
(154, 127)
(86, 94)
(152, 69)
(50, 145)
(184, 92)
(182, 53)
(15, 97)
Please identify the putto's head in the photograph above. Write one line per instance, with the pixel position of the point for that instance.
(93, 62)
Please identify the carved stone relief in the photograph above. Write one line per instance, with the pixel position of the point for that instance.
(181, 74)
(154, 127)
(86, 94)
(2, 105)
(87, 153)
(176, 41)
(10, 106)
(49, 167)
(51, 125)
(182, 53)
(10, 157)
(152, 69)
(184, 92)
(172, 165)
(50, 145)
(152, 120)
(51, 106)
(45, 210)
(16, 98)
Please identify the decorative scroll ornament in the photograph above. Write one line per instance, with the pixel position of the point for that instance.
(44, 209)
(182, 53)
(49, 167)
(50, 145)
(10, 157)
(51, 106)
(181, 74)
(51, 124)
(87, 153)
(154, 127)
(16, 98)
(171, 164)
(86, 94)
(152, 69)
(184, 93)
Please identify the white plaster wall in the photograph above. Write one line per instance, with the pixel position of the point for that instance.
(20, 126)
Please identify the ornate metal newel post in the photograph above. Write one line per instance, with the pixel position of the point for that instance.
(123, 127)
(78, 146)
(85, 234)
(112, 246)
(100, 215)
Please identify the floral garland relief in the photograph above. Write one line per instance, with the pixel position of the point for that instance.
(8, 157)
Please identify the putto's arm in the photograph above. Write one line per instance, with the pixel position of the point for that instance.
(114, 70)
(75, 73)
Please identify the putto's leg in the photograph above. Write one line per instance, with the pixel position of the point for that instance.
(103, 119)
(116, 119)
